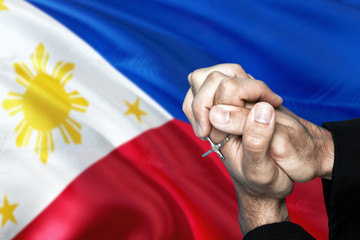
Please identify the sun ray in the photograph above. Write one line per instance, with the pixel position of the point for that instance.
(80, 101)
(20, 125)
(23, 73)
(22, 82)
(12, 104)
(14, 94)
(3, 6)
(15, 111)
(78, 125)
(74, 93)
(83, 110)
(38, 139)
(65, 69)
(28, 71)
(56, 68)
(66, 139)
(45, 62)
(44, 148)
(39, 56)
(22, 135)
(34, 63)
(73, 133)
(27, 139)
(63, 83)
(52, 145)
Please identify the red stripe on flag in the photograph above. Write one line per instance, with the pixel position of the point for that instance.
(155, 186)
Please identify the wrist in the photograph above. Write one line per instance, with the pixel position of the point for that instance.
(256, 212)
(325, 149)
(265, 213)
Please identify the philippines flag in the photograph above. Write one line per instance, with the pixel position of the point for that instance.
(94, 144)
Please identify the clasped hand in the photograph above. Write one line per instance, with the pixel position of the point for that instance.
(271, 147)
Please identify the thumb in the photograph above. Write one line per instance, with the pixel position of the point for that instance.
(258, 131)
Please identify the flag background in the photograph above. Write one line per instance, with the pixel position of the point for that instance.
(307, 53)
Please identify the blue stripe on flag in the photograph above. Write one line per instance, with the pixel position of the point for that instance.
(306, 52)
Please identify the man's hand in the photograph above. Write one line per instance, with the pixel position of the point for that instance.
(206, 85)
(260, 183)
(301, 149)
(265, 152)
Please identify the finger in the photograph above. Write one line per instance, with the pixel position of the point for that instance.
(283, 152)
(231, 119)
(250, 76)
(237, 91)
(204, 100)
(186, 107)
(228, 119)
(259, 127)
(217, 136)
(197, 77)
(191, 84)
(188, 110)
(286, 154)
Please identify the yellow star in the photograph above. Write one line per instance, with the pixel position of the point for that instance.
(7, 211)
(134, 109)
(3, 6)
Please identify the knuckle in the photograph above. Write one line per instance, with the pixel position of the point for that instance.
(214, 76)
(226, 91)
(236, 66)
(237, 69)
(196, 76)
(196, 106)
(250, 76)
(227, 85)
(261, 84)
(243, 87)
(186, 108)
(260, 183)
(255, 142)
(196, 73)
(294, 128)
(189, 77)
(252, 177)
(280, 146)
(265, 180)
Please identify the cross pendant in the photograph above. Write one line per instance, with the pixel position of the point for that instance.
(216, 147)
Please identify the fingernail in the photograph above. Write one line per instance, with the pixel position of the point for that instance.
(199, 128)
(221, 115)
(263, 114)
(279, 96)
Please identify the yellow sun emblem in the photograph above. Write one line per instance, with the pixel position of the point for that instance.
(3, 6)
(45, 104)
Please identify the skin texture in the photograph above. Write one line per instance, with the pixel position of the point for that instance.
(271, 147)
